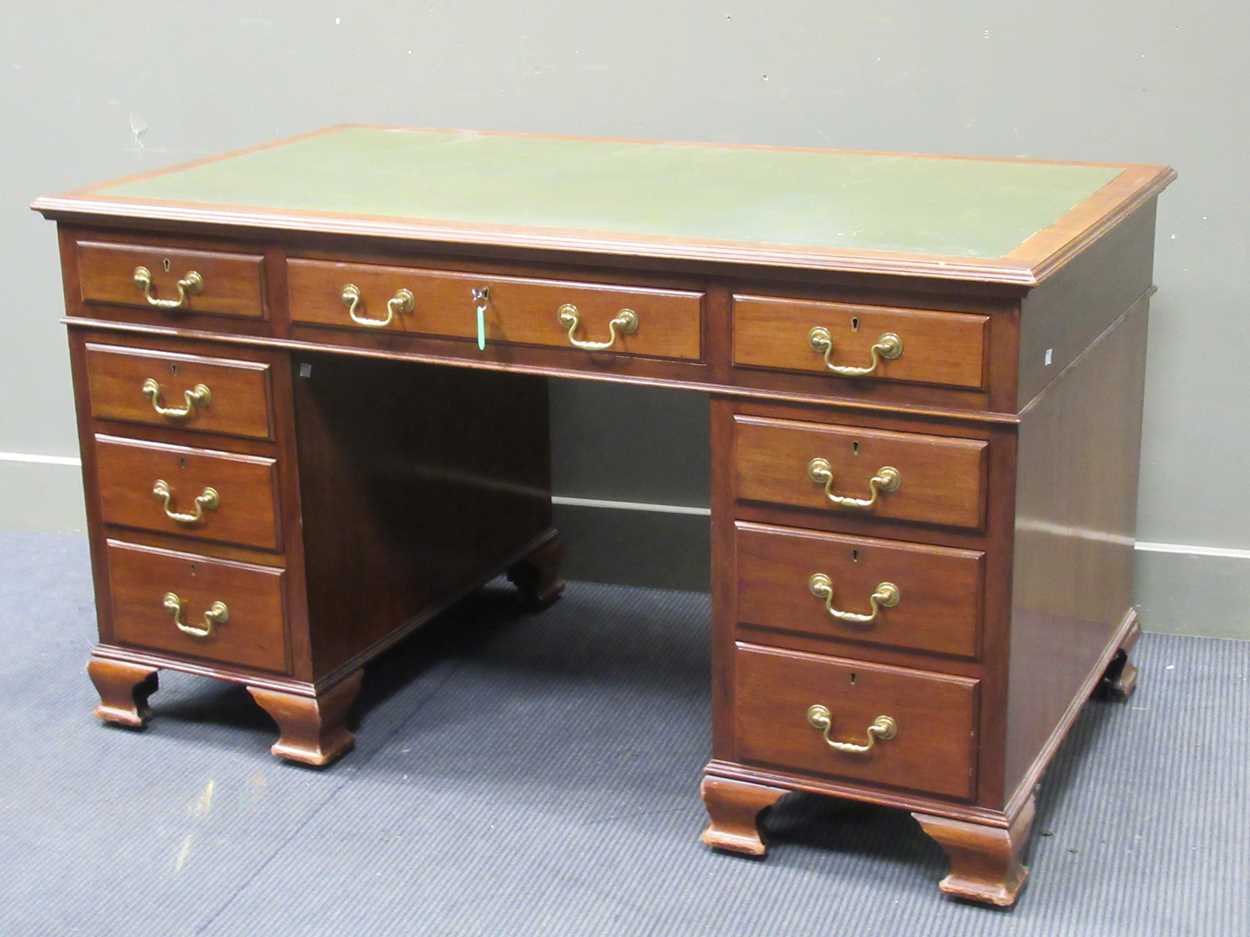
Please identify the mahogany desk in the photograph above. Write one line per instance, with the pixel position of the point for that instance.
(312, 406)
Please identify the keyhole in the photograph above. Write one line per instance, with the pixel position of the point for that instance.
(194, 568)
(182, 462)
(854, 323)
(166, 264)
(852, 679)
(173, 369)
(855, 447)
(854, 556)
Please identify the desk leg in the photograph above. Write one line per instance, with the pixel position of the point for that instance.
(124, 690)
(538, 575)
(734, 807)
(1119, 680)
(986, 864)
(311, 729)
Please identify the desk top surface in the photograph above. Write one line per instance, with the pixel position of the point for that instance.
(951, 217)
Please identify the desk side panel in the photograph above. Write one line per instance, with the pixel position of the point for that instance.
(1076, 505)
(1060, 319)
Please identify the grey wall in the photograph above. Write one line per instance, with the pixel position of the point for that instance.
(1137, 80)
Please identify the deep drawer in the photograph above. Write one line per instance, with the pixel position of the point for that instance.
(190, 492)
(913, 345)
(157, 388)
(915, 477)
(172, 280)
(779, 696)
(520, 310)
(905, 595)
(154, 591)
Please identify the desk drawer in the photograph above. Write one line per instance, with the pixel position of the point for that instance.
(926, 347)
(189, 492)
(153, 591)
(935, 479)
(934, 745)
(916, 597)
(178, 280)
(520, 310)
(157, 388)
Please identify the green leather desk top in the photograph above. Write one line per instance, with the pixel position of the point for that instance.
(561, 191)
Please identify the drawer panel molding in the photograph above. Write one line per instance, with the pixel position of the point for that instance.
(181, 603)
(190, 392)
(195, 493)
(865, 472)
(174, 280)
(928, 598)
(857, 342)
(866, 722)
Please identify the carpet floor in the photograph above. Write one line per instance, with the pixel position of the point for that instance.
(538, 774)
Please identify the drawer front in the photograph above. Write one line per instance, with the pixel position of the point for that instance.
(520, 311)
(936, 479)
(210, 395)
(250, 631)
(934, 745)
(213, 282)
(905, 595)
(214, 495)
(945, 348)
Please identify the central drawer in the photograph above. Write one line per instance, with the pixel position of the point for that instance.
(190, 492)
(780, 697)
(198, 607)
(861, 472)
(517, 310)
(905, 595)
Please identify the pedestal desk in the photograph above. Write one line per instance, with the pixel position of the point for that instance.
(311, 385)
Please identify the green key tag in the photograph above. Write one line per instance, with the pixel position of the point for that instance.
(482, 298)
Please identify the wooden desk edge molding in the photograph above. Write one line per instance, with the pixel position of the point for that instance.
(926, 382)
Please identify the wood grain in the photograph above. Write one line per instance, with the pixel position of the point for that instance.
(521, 311)
(936, 746)
(938, 347)
(943, 478)
(254, 636)
(241, 403)
(248, 505)
(940, 588)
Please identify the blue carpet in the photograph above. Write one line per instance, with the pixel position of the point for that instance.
(522, 775)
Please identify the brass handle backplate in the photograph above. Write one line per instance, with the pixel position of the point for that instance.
(624, 322)
(188, 286)
(402, 301)
(883, 728)
(886, 595)
(887, 479)
(887, 347)
(198, 396)
(217, 614)
(207, 500)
